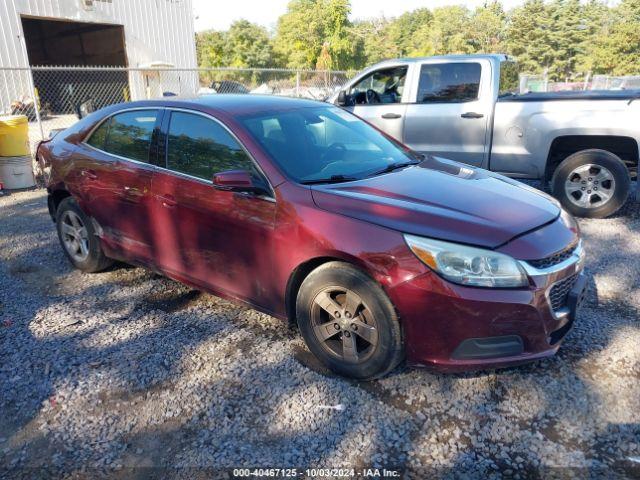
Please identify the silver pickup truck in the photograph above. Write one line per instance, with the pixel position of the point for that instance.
(468, 108)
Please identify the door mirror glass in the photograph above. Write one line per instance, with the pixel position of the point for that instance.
(236, 181)
(85, 108)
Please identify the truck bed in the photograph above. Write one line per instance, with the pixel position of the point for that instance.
(573, 95)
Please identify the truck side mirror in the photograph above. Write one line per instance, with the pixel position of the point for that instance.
(342, 98)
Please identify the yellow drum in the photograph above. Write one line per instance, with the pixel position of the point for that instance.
(14, 136)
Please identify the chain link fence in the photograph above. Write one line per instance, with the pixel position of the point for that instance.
(52, 97)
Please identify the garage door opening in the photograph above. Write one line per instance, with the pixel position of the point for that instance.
(58, 43)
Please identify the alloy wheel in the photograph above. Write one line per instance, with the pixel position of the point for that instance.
(590, 186)
(343, 324)
(74, 236)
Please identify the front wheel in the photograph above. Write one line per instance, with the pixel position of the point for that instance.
(591, 183)
(348, 322)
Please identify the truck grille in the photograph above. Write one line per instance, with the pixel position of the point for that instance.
(554, 259)
(559, 293)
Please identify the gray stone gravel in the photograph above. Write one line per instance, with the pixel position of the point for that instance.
(125, 369)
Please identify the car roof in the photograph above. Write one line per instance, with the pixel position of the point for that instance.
(234, 105)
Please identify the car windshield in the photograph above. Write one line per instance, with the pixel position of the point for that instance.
(325, 144)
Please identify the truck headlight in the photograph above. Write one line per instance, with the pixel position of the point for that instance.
(468, 265)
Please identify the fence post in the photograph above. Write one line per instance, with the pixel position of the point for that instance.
(36, 107)
(546, 79)
(586, 80)
(297, 83)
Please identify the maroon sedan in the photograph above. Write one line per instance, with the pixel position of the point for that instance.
(307, 213)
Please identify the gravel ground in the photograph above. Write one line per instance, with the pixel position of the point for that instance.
(125, 369)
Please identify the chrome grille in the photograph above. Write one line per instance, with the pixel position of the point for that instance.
(559, 293)
(554, 259)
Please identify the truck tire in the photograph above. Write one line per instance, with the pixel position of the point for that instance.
(591, 183)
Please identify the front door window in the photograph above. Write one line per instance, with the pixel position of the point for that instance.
(384, 86)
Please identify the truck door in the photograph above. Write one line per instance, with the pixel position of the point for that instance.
(379, 99)
(449, 110)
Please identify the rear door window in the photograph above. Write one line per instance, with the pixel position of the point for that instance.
(200, 147)
(129, 134)
(449, 82)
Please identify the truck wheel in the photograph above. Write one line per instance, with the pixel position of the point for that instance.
(591, 183)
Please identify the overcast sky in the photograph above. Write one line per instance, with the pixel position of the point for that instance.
(219, 14)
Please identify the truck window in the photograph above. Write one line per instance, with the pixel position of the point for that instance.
(387, 86)
(449, 82)
(509, 79)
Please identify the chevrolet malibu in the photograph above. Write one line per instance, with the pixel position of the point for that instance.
(303, 211)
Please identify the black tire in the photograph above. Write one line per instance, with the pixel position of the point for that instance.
(95, 260)
(375, 309)
(600, 159)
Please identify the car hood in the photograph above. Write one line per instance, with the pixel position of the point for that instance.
(444, 200)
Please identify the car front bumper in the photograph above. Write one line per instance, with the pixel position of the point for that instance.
(455, 328)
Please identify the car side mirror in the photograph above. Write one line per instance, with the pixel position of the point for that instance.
(342, 98)
(236, 181)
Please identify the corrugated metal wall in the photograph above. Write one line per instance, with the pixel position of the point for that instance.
(154, 30)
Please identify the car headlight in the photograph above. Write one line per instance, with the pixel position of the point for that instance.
(468, 265)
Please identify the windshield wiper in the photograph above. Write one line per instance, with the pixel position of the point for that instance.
(331, 179)
(394, 166)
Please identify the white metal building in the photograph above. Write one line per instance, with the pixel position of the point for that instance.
(92, 33)
(96, 32)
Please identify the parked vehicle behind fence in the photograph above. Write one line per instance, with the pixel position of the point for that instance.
(467, 108)
(304, 211)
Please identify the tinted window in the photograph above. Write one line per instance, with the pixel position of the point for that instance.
(130, 134)
(449, 82)
(99, 135)
(200, 147)
(311, 144)
(387, 85)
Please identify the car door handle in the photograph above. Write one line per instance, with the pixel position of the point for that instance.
(89, 174)
(472, 115)
(168, 201)
(391, 116)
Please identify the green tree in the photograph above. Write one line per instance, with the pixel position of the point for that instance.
(486, 28)
(529, 36)
(448, 32)
(374, 40)
(616, 49)
(308, 25)
(247, 45)
(243, 45)
(568, 37)
(597, 18)
(210, 48)
(403, 31)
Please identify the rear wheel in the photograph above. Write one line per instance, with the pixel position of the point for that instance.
(591, 183)
(78, 238)
(348, 322)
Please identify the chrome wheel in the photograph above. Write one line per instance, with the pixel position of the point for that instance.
(75, 237)
(344, 325)
(590, 186)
